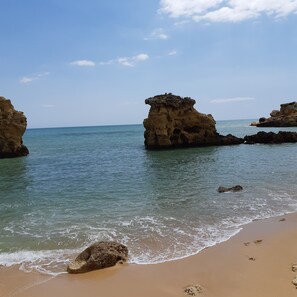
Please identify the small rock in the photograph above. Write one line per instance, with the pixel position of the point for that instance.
(294, 281)
(236, 188)
(252, 259)
(193, 290)
(294, 267)
(282, 220)
(258, 241)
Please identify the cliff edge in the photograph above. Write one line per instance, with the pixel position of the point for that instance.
(12, 128)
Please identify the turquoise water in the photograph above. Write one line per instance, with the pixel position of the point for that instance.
(81, 185)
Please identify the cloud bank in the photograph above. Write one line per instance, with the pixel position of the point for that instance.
(227, 10)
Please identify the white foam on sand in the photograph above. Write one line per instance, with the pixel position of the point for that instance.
(51, 262)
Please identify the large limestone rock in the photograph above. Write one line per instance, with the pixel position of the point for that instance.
(12, 127)
(285, 117)
(99, 255)
(174, 122)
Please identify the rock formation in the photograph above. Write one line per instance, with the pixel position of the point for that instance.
(285, 117)
(12, 127)
(271, 137)
(174, 122)
(99, 255)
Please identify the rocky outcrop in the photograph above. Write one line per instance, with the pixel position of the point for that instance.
(285, 117)
(174, 122)
(236, 188)
(99, 255)
(271, 137)
(12, 127)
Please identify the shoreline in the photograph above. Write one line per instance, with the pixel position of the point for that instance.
(255, 262)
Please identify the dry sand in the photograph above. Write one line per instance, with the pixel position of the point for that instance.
(257, 262)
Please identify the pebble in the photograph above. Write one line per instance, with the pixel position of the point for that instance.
(193, 290)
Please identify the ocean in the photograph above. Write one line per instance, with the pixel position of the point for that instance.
(86, 184)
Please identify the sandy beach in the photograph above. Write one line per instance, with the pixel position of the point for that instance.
(257, 262)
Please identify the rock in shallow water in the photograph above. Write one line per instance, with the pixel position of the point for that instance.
(174, 122)
(98, 256)
(285, 117)
(271, 137)
(233, 189)
(12, 127)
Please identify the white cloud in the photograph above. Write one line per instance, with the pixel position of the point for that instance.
(130, 61)
(87, 63)
(29, 79)
(186, 8)
(126, 61)
(172, 53)
(227, 10)
(140, 57)
(230, 100)
(157, 34)
(106, 62)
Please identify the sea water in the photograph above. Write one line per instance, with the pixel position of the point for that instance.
(86, 184)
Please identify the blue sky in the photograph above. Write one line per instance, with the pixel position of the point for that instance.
(77, 63)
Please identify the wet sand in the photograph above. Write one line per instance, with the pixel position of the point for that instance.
(257, 262)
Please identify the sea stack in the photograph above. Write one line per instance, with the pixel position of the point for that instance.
(174, 122)
(285, 117)
(12, 128)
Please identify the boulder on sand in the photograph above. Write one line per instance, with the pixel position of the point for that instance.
(98, 256)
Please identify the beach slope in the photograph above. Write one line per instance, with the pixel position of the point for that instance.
(257, 262)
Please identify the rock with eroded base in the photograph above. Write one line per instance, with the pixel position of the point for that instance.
(285, 117)
(12, 128)
(174, 122)
(99, 255)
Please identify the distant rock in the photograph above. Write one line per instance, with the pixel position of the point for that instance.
(271, 137)
(174, 122)
(236, 188)
(98, 256)
(12, 128)
(285, 117)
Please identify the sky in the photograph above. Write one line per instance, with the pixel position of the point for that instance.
(85, 63)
